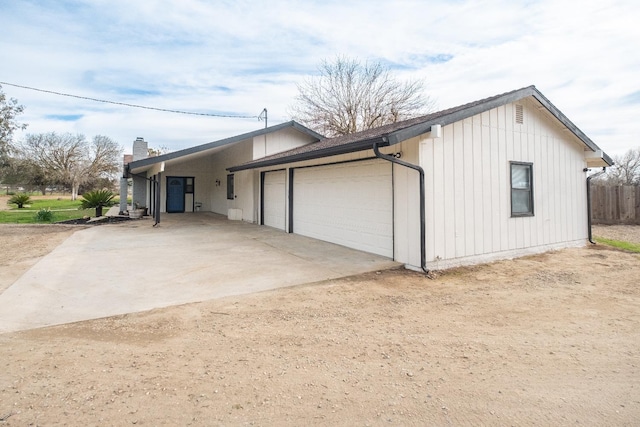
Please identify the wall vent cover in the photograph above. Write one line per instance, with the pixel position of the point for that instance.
(519, 114)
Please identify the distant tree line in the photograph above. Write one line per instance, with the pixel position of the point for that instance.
(50, 159)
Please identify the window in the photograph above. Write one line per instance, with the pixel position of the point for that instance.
(521, 189)
(188, 187)
(230, 191)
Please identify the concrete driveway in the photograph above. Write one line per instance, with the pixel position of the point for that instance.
(130, 267)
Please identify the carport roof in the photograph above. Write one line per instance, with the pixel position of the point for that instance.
(395, 133)
(150, 161)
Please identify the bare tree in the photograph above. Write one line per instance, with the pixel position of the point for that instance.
(9, 109)
(349, 96)
(154, 152)
(626, 170)
(71, 159)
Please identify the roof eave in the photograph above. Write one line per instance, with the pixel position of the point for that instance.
(316, 154)
(608, 159)
(226, 141)
(565, 121)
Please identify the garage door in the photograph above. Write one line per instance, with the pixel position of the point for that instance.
(274, 199)
(350, 204)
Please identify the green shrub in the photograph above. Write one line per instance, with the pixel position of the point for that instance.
(97, 199)
(20, 200)
(44, 215)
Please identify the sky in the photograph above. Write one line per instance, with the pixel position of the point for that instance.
(238, 57)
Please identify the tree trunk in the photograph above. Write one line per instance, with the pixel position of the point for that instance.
(98, 210)
(74, 190)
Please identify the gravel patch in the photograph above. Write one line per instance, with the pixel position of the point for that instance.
(625, 233)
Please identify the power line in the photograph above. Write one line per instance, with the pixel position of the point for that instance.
(129, 105)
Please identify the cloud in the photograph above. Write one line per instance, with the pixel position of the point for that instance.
(632, 98)
(64, 117)
(242, 56)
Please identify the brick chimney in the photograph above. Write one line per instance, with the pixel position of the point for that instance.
(140, 149)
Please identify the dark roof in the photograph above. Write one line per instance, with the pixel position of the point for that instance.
(395, 133)
(199, 148)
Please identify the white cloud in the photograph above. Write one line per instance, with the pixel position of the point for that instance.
(242, 56)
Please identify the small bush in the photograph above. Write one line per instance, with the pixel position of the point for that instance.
(44, 215)
(20, 200)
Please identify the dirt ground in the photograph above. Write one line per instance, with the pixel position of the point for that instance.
(552, 339)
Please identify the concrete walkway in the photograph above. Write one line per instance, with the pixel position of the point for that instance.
(130, 267)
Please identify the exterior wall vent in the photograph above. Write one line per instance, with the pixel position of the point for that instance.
(519, 114)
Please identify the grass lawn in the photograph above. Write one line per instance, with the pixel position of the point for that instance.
(627, 246)
(53, 204)
(63, 209)
(27, 216)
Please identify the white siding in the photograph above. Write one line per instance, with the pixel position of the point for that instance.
(277, 142)
(468, 187)
(406, 196)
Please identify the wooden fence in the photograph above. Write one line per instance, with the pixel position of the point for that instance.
(618, 204)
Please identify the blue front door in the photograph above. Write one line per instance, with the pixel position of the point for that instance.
(175, 194)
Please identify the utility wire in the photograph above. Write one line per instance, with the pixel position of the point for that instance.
(130, 105)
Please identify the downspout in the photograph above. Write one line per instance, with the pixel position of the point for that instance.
(392, 159)
(589, 178)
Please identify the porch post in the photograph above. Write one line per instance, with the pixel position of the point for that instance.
(124, 186)
(158, 194)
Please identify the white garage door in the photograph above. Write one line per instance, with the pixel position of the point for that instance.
(274, 198)
(350, 204)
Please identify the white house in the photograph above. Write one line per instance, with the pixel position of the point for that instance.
(197, 179)
(497, 178)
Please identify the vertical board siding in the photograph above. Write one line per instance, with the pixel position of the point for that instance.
(406, 212)
(448, 199)
(468, 184)
(503, 178)
(426, 154)
(438, 197)
(487, 184)
(467, 141)
(458, 185)
(477, 182)
(495, 184)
